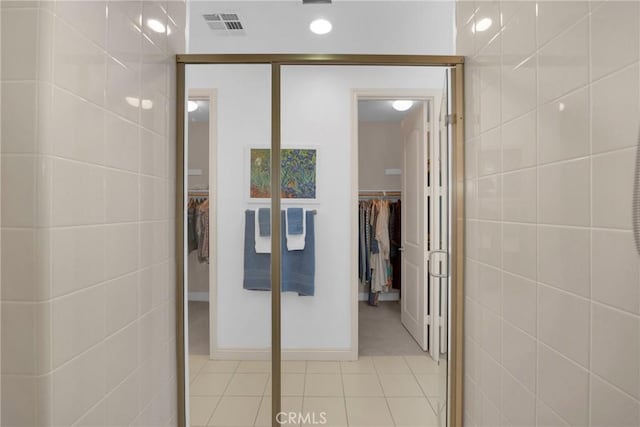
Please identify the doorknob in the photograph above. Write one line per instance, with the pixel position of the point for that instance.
(439, 275)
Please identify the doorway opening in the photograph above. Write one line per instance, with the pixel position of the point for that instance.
(401, 304)
(383, 131)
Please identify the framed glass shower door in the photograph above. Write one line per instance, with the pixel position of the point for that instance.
(278, 66)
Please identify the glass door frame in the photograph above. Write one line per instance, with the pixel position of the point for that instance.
(456, 337)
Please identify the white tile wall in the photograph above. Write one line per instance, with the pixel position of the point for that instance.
(87, 183)
(552, 107)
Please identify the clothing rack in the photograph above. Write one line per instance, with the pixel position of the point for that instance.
(198, 193)
(383, 194)
(314, 212)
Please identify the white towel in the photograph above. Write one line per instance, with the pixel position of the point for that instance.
(295, 242)
(263, 243)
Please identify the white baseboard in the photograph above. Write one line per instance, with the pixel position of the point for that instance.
(384, 296)
(199, 296)
(265, 354)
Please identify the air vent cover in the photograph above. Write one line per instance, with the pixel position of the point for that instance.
(224, 23)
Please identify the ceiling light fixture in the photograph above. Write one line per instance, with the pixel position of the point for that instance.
(320, 26)
(192, 106)
(482, 25)
(156, 25)
(146, 104)
(402, 105)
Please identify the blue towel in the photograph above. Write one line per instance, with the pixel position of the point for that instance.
(294, 220)
(257, 267)
(264, 221)
(297, 267)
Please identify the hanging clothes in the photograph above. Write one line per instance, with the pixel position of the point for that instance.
(376, 221)
(395, 234)
(198, 227)
(380, 264)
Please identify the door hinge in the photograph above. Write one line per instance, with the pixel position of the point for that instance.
(435, 191)
(428, 320)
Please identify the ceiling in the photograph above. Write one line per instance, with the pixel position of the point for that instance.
(380, 110)
(365, 27)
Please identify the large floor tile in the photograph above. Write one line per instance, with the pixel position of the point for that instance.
(249, 366)
(391, 365)
(363, 365)
(400, 385)
(234, 411)
(288, 404)
(201, 409)
(431, 384)
(323, 385)
(323, 367)
(294, 366)
(210, 384)
(412, 412)
(422, 364)
(249, 384)
(292, 385)
(228, 366)
(368, 412)
(332, 408)
(362, 385)
(196, 362)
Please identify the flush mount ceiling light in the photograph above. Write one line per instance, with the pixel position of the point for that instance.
(402, 105)
(482, 25)
(192, 106)
(156, 25)
(320, 26)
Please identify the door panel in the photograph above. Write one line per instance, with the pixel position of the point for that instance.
(414, 295)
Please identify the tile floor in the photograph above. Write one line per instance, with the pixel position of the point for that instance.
(373, 391)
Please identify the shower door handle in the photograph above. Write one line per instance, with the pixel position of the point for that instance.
(446, 257)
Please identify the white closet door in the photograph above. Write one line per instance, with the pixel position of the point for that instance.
(438, 260)
(414, 235)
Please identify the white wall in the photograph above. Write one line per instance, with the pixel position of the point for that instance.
(316, 111)
(379, 148)
(88, 303)
(552, 329)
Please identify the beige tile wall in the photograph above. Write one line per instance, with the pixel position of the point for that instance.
(88, 176)
(553, 280)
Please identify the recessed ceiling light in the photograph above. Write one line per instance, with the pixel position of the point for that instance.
(192, 106)
(156, 25)
(402, 105)
(482, 25)
(320, 26)
(135, 102)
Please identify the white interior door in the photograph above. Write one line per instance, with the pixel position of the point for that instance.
(438, 259)
(414, 235)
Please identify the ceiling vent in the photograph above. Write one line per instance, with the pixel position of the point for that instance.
(224, 23)
(316, 1)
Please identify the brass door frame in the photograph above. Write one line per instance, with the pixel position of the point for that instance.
(456, 337)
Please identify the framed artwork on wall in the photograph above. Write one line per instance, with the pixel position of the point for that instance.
(298, 169)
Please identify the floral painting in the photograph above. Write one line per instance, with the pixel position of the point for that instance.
(298, 169)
